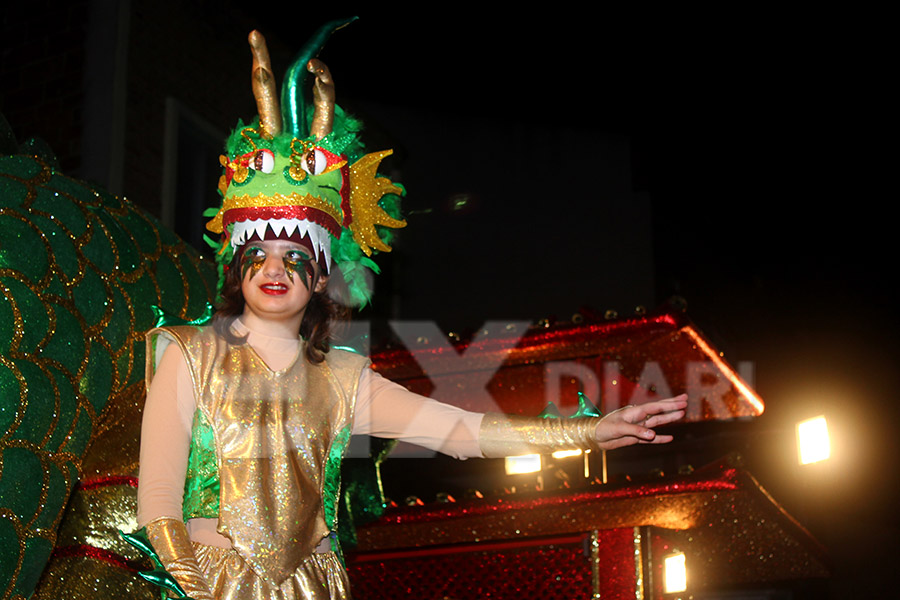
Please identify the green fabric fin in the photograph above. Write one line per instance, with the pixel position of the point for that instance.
(550, 412)
(586, 408)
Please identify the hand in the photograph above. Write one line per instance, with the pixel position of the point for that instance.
(633, 424)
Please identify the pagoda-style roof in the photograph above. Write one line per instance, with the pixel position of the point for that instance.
(614, 361)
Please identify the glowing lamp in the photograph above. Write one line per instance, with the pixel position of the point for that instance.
(529, 463)
(813, 443)
(675, 573)
(566, 453)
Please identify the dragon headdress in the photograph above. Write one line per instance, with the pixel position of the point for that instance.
(300, 169)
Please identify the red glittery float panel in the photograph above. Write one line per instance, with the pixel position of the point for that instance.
(730, 529)
(615, 362)
(548, 568)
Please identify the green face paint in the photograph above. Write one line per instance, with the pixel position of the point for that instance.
(294, 258)
(254, 258)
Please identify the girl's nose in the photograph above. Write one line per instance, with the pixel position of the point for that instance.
(273, 267)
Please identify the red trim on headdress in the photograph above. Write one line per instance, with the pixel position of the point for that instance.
(345, 192)
(267, 213)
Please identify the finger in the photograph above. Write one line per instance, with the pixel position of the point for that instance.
(659, 439)
(679, 400)
(641, 415)
(622, 442)
(676, 403)
(630, 440)
(631, 430)
(660, 407)
(657, 420)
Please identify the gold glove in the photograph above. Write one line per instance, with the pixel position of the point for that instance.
(512, 435)
(169, 538)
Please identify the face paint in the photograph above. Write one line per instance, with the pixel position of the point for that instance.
(293, 258)
(254, 259)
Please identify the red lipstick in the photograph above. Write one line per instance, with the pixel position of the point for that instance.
(274, 289)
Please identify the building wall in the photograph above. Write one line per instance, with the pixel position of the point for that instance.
(41, 74)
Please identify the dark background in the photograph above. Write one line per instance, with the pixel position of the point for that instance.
(608, 160)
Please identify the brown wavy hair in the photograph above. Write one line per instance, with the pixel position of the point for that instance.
(316, 328)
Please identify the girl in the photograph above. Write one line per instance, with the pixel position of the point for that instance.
(246, 421)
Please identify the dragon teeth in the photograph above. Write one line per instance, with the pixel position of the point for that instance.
(318, 235)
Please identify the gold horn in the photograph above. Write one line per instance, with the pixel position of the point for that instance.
(264, 86)
(323, 99)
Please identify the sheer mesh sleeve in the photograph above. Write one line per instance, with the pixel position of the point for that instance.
(165, 439)
(388, 410)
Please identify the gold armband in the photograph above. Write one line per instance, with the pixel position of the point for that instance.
(169, 538)
(511, 435)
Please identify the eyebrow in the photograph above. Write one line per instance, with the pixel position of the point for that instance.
(287, 245)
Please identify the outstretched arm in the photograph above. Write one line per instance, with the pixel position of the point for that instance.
(509, 435)
(385, 409)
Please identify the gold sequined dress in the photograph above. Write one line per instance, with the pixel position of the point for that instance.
(279, 437)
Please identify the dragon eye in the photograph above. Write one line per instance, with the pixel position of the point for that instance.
(262, 160)
(314, 162)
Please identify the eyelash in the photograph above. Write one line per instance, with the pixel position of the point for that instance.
(255, 254)
(259, 255)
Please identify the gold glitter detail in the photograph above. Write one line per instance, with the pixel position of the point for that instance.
(512, 435)
(297, 172)
(115, 445)
(305, 146)
(223, 181)
(319, 577)
(95, 516)
(263, 83)
(274, 200)
(86, 578)
(170, 539)
(333, 167)
(240, 173)
(595, 564)
(365, 192)
(323, 99)
(247, 137)
(638, 566)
